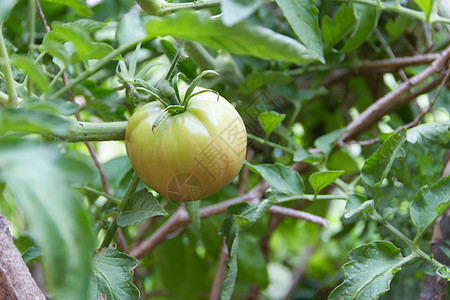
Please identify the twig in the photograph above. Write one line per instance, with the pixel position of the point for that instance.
(389, 52)
(299, 271)
(425, 111)
(380, 66)
(121, 240)
(297, 214)
(181, 218)
(371, 113)
(399, 103)
(221, 268)
(42, 17)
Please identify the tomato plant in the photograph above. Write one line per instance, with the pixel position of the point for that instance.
(189, 155)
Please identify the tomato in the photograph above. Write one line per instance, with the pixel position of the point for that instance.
(189, 155)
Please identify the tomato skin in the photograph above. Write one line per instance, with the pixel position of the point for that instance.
(191, 155)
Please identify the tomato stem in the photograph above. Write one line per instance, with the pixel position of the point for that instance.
(113, 228)
(175, 60)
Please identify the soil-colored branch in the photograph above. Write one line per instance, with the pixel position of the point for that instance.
(221, 268)
(299, 271)
(372, 113)
(95, 132)
(297, 214)
(435, 287)
(181, 218)
(380, 66)
(16, 281)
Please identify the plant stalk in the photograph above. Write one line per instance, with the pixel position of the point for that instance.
(7, 73)
(112, 229)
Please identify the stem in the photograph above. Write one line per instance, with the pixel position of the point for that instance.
(170, 7)
(200, 56)
(392, 7)
(112, 229)
(175, 60)
(377, 217)
(92, 70)
(90, 131)
(268, 143)
(311, 197)
(6, 68)
(89, 189)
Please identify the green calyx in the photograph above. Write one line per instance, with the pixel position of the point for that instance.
(174, 102)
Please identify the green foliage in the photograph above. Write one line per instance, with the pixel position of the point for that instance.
(142, 205)
(298, 72)
(113, 275)
(58, 221)
(369, 271)
(379, 164)
(239, 39)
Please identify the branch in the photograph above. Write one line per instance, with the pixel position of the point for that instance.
(380, 66)
(95, 132)
(16, 281)
(297, 214)
(370, 115)
(402, 10)
(181, 218)
(221, 268)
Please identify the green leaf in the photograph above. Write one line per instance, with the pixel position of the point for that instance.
(304, 155)
(130, 28)
(251, 262)
(270, 120)
(182, 272)
(32, 70)
(366, 21)
(85, 47)
(87, 25)
(235, 11)
(443, 272)
(113, 276)
(378, 165)
(326, 142)
(302, 15)
(58, 221)
(249, 214)
(430, 134)
(344, 22)
(255, 81)
(429, 7)
(231, 274)
(242, 39)
(5, 7)
(31, 254)
(142, 205)
(319, 180)
(193, 209)
(369, 271)
(33, 121)
(430, 203)
(280, 178)
(357, 203)
(79, 6)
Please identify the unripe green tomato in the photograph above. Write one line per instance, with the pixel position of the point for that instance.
(190, 155)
